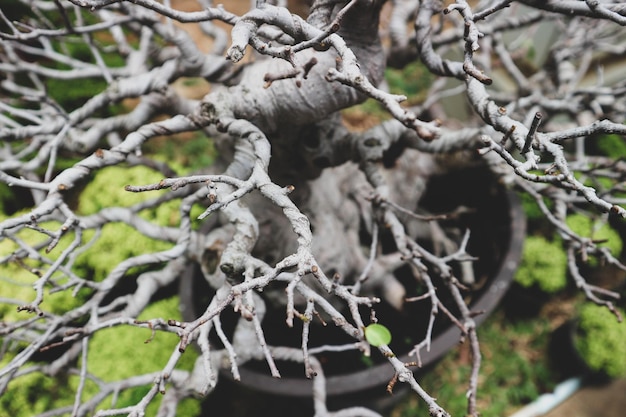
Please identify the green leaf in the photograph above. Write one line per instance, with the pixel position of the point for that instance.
(377, 335)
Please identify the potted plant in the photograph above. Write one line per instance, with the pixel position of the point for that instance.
(542, 273)
(496, 224)
(600, 341)
(543, 266)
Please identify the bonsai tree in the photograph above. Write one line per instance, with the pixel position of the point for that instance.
(315, 215)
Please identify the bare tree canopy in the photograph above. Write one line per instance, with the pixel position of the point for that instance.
(299, 211)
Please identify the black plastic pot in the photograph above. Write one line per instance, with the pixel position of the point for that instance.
(498, 230)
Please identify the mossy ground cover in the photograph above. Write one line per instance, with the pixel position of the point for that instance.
(601, 340)
(123, 352)
(515, 370)
(117, 352)
(113, 354)
(544, 265)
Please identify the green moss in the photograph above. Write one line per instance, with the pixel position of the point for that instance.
(198, 153)
(72, 95)
(106, 189)
(514, 371)
(6, 195)
(531, 208)
(114, 354)
(129, 353)
(189, 407)
(121, 352)
(544, 265)
(613, 146)
(35, 393)
(366, 114)
(413, 81)
(17, 284)
(119, 241)
(596, 230)
(17, 278)
(601, 340)
(185, 153)
(116, 243)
